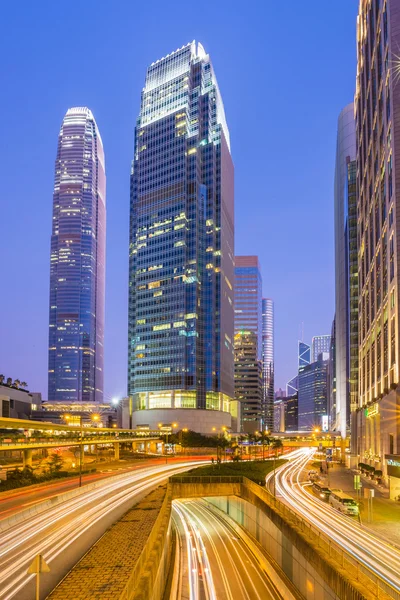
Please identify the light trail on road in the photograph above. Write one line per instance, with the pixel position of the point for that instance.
(56, 529)
(219, 564)
(379, 556)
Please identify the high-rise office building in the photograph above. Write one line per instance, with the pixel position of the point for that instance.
(320, 344)
(248, 340)
(304, 355)
(77, 266)
(292, 386)
(248, 298)
(313, 395)
(291, 413)
(268, 362)
(248, 381)
(345, 252)
(377, 112)
(279, 415)
(181, 258)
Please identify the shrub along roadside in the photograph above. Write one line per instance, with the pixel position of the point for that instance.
(18, 478)
(255, 470)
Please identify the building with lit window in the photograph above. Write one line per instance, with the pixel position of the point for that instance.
(77, 266)
(181, 256)
(248, 381)
(320, 344)
(279, 415)
(291, 413)
(313, 395)
(268, 362)
(248, 297)
(377, 113)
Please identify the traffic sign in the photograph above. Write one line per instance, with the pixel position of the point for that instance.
(38, 565)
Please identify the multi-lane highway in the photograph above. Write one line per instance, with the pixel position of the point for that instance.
(364, 546)
(214, 562)
(64, 532)
(20, 499)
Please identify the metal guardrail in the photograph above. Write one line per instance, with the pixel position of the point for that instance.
(206, 479)
(361, 572)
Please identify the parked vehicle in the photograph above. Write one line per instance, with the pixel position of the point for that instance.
(343, 503)
(321, 490)
(313, 476)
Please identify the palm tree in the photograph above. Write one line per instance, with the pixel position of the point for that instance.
(265, 440)
(9, 381)
(223, 443)
(277, 444)
(24, 384)
(1, 379)
(242, 439)
(17, 383)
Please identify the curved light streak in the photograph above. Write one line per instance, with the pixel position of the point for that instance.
(370, 550)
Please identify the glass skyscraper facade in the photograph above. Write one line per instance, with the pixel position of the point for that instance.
(248, 297)
(304, 355)
(312, 395)
(268, 362)
(345, 225)
(320, 344)
(181, 257)
(77, 264)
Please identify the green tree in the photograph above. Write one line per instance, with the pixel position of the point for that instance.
(277, 445)
(55, 464)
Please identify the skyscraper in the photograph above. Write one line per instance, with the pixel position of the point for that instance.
(320, 344)
(268, 362)
(292, 386)
(377, 111)
(304, 355)
(248, 298)
(248, 340)
(345, 250)
(313, 395)
(181, 257)
(248, 381)
(77, 266)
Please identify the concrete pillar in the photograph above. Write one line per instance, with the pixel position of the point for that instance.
(153, 447)
(27, 457)
(116, 450)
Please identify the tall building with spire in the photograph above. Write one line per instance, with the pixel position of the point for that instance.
(77, 264)
(181, 256)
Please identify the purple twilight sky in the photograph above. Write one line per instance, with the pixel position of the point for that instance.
(285, 70)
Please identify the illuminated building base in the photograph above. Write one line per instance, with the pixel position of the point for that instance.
(209, 422)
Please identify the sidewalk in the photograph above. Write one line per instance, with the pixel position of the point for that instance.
(386, 513)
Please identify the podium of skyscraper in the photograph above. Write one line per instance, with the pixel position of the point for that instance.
(77, 267)
(181, 269)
